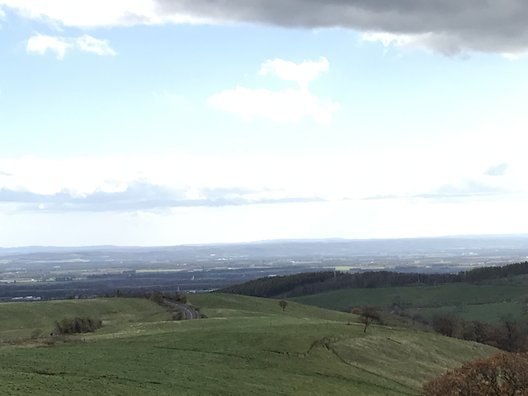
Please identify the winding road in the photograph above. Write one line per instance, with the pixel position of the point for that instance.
(188, 312)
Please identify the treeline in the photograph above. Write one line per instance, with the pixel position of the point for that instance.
(318, 282)
(277, 285)
(507, 334)
(489, 273)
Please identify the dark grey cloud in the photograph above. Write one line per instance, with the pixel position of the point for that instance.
(498, 170)
(450, 26)
(138, 196)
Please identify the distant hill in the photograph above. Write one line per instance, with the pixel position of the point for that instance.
(314, 247)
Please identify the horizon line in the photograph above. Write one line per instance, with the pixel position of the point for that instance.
(291, 240)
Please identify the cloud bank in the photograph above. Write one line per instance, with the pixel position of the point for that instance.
(446, 26)
(144, 183)
(142, 196)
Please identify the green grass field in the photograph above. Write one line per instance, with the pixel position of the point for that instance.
(19, 320)
(245, 346)
(488, 302)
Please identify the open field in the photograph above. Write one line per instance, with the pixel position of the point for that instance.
(19, 320)
(246, 346)
(486, 302)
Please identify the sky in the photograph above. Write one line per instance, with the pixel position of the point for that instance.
(165, 122)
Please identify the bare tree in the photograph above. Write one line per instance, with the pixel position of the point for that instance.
(510, 335)
(367, 314)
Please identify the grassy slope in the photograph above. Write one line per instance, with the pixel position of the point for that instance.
(19, 320)
(246, 346)
(484, 302)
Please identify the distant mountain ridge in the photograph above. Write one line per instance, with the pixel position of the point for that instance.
(322, 247)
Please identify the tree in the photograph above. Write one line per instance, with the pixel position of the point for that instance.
(367, 314)
(502, 374)
(476, 331)
(510, 336)
(445, 324)
(283, 304)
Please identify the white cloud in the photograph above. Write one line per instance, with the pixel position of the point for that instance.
(341, 181)
(291, 105)
(431, 42)
(514, 56)
(255, 178)
(88, 43)
(390, 39)
(97, 13)
(41, 44)
(79, 13)
(301, 73)
(426, 41)
(261, 178)
(282, 106)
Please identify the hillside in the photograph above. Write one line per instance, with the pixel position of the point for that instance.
(303, 284)
(19, 320)
(247, 345)
(486, 302)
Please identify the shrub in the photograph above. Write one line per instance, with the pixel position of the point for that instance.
(477, 331)
(502, 374)
(79, 324)
(445, 324)
(177, 315)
